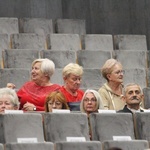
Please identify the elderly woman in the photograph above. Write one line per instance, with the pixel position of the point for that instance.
(8, 100)
(32, 94)
(72, 75)
(55, 100)
(112, 91)
(91, 102)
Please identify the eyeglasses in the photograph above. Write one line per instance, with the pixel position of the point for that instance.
(119, 72)
(89, 100)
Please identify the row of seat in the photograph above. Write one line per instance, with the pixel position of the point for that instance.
(57, 41)
(59, 126)
(90, 145)
(92, 78)
(22, 58)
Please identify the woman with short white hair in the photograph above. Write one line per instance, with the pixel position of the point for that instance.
(8, 100)
(32, 94)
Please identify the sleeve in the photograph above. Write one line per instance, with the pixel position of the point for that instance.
(105, 98)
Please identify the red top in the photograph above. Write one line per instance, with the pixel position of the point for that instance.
(71, 98)
(35, 94)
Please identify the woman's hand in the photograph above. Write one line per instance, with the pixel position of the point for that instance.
(11, 85)
(28, 106)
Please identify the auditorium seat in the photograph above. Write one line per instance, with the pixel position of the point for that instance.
(28, 41)
(142, 125)
(4, 44)
(126, 145)
(136, 75)
(92, 78)
(1, 146)
(97, 42)
(15, 126)
(148, 77)
(8, 25)
(130, 42)
(106, 125)
(59, 126)
(30, 146)
(88, 145)
(92, 59)
(18, 76)
(132, 58)
(73, 26)
(57, 77)
(19, 58)
(64, 42)
(41, 26)
(60, 58)
(146, 92)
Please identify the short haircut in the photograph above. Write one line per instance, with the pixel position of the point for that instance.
(132, 84)
(99, 104)
(108, 67)
(56, 95)
(11, 93)
(72, 68)
(47, 66)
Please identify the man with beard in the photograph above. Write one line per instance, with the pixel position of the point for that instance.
(133, 97)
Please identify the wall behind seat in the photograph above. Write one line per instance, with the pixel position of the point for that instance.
(102, 16)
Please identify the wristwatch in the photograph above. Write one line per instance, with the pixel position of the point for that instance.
(34, 108)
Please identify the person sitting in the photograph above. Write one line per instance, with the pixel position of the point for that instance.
(91, 102)
(133, 96)
(112, 91)
(8, 100)
(55, 100)
(33, 93)
(72, 75)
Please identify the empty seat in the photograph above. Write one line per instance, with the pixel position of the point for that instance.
(106, 125)
(148, 77)
(136, 75)
(14, 126)
(4, 44)
(88, 145)
(19, 58)
(92, 59)
(146, 92)
(142, 125)
(57, 77)
(28, 41)
(132, 58)
(17, 76)
(92, 78)
(127, 145)
(60, 58)
(41, 26)
(75, 26)
(8, 25)
(1, 146)
(130, 42)
(29, 146)
(59, 126)
(97, 42)
(64, 42)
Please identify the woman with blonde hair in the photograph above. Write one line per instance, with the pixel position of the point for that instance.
(72, 75)
(112, 91)
(55, 100)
